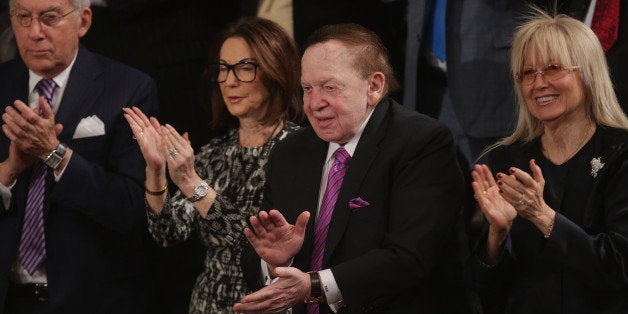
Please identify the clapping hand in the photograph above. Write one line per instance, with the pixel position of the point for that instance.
(147, 132)
(274, 239)
(292, 287)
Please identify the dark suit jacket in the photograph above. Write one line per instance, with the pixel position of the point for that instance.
(394, 255)
(582, 267)
(95, 219)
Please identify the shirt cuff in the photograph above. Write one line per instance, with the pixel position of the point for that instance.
(266, 273)
(58, 177)
(5, 193)
(331, 290)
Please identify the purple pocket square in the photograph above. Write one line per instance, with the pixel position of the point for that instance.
(358, 203)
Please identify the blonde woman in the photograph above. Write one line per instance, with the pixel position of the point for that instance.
(557, 209)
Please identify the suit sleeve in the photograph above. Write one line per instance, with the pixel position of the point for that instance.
(107, 186)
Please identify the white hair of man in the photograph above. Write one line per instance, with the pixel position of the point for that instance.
(75, 3)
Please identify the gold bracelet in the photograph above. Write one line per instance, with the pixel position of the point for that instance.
(160, 192)
(550, 228)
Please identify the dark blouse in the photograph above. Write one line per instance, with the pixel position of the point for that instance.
(583, 266)
(237, 174)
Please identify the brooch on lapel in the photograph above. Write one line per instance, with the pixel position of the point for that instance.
(596, 165)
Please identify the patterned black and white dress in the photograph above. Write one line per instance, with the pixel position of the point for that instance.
(237, 175)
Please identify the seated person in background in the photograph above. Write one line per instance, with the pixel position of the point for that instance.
(383, 183)
(557, 239)
(255, 96)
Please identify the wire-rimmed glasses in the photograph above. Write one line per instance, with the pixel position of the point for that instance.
(550, 72)
(49, 18)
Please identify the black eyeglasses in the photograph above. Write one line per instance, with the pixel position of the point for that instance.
(244, 71)
(48, 18)
(551, 72)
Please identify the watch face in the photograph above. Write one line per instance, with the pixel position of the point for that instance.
(201, 189)
(54, 161)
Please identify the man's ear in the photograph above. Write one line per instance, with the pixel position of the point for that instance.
(376, 85)
(86, 21)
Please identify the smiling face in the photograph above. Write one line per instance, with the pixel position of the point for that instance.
(553, 100)
(48, 50)
(336, 98)
(243, 99)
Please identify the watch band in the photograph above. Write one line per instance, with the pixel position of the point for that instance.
(316, 292)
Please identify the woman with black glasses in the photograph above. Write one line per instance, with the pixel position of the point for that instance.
(557, 234)
(255, 102)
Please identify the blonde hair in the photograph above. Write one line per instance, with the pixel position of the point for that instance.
(565, 40)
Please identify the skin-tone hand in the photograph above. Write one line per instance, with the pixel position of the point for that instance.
(181, 166)
(499, 212)
(32, 134)
(148, 134)
(292, 287)
(521, 186)
(274, 239)
(17, 128)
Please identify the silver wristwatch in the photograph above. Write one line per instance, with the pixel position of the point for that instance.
(200, 191)
(55, 158)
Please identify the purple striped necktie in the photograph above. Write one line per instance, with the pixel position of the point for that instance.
(334, 183)
(32, 242)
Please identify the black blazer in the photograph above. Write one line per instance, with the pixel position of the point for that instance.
(95, 221)
(394, 255)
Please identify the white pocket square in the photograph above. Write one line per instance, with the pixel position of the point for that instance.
(88, 127)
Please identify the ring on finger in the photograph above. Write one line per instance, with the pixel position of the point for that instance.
(173, 152)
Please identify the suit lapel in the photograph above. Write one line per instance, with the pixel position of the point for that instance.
(365, 152)
(308, 180)
(80, 94)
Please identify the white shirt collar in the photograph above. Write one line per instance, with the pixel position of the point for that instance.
(61, 80)
(351, 144)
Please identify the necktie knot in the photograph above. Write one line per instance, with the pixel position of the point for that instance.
(46, 88)
(342, 156)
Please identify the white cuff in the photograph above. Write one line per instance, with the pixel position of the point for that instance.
(331, 290)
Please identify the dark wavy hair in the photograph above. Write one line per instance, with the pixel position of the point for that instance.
(279, 62)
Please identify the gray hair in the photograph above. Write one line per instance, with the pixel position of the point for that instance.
(75, 3)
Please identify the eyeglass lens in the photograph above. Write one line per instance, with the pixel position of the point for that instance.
(48, 18)
(243, 71)
(551, 72)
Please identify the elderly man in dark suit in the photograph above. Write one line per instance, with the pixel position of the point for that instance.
(72, 218)
(381, 180)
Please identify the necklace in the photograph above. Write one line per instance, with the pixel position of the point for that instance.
(573, 153)
(274, 129)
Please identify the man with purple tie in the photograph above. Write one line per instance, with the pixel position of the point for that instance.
(72, 218)
(380, 183)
